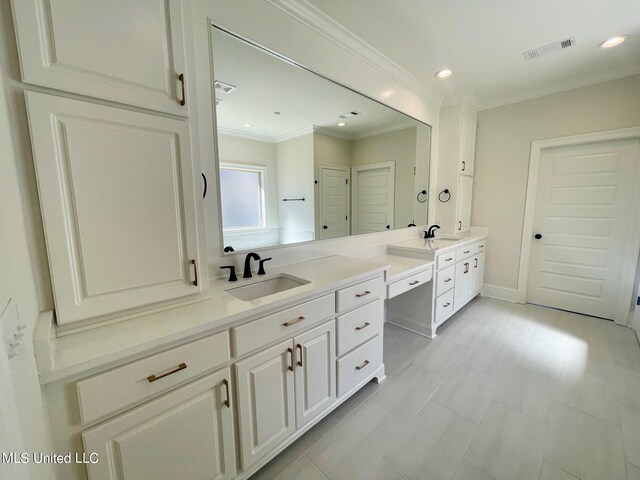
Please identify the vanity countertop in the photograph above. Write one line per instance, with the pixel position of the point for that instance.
(433, 245)
(114, 344)
(401, 266)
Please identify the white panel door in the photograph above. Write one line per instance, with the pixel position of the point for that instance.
(119, 50)
(583, 215)
(266, 399)
(185, 434)
(315, 372)
(463, 207)
(334, 202)
(118, 202)
(373, 197)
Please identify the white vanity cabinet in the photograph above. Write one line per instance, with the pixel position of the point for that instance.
(118, 199)
(187, 433)
(134, 53)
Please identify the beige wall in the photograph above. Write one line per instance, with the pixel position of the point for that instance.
(503, 144)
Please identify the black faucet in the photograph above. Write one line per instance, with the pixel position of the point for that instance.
(247, 264)
(431, 233)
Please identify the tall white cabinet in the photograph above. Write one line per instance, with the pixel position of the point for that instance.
(120, 189)
(456, 165)
(134, 53)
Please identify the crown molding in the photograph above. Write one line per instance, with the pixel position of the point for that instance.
(316, 20)
(329, 133)
(383, 130)
(565, 87)
(265, 138)
(294, 134)
(468, 98)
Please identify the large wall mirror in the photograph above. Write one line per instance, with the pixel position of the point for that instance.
(302, 158)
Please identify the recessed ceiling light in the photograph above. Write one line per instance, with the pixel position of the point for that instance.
(444, 73)
(613, 41)
(342, 124)
(248, 125)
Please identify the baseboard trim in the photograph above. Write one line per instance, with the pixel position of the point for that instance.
(501, 293)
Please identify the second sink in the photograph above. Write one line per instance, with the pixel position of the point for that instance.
(268, 286)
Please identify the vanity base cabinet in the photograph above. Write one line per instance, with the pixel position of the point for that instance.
(184, 434)
(266, 400)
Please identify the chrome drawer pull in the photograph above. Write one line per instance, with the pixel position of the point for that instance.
(446, 304)
(414, 283)
(292, 322)
(366, 324)
(363, 294)
(153, 378)
(447, 280)
(227, 402)
(364, 364)
(467, 251)
(448, 259)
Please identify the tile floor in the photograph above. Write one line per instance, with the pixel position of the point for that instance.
(505, 392)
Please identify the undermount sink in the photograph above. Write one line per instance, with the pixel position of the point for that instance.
(269, 286)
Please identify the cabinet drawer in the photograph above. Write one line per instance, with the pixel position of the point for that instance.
(358, 326)
(480, 246)
(444, 306)
(359, 364)
(464, 252)
(445, 280)
(262, 332)
(407, 283)
(359, 294)
(445, 260)
(116, 389)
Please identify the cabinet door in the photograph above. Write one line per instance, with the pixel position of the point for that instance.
(468, 144)
(185, 434)
(478, 273)
(123, 51)
(265, 400)
(315, 372)
(462, 289)
(463, 207)
(118, 204)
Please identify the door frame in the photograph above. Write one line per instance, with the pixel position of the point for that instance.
(355, 171)
(632, 249)
(327, 166)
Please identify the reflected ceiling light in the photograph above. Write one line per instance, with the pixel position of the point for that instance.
(342, 124)
(444, 73)
(613, 41)
(248, 125)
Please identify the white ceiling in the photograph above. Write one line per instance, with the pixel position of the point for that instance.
(482, 42)
(267, 84)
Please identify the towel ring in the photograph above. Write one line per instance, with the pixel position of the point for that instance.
(444, 192)
(423, 192)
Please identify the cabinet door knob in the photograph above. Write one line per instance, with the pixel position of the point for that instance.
(538, 236)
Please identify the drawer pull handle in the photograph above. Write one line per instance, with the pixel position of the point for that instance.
(363, 294)
(447, 280)
(195, 272)
(481, 246)
(299, 347)
(362, 327)
(448, 259)
(414, 283)
(183, 100)
(290, 350)
(467, 251)
(364, 364)
(292, 322)
(153, 378)
(466, 267)
(446, 304)
(476, 265)
(227, 402)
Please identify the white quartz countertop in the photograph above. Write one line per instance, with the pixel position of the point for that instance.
(431, 245)
(110, 345)
(400, 266)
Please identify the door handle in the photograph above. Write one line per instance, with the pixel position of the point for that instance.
(476, 264)
(227, 402)
(459, 225)
(466, 267)
(290, 350)
(537, 236)
(464, 165)
(299, 347)
(183, 100)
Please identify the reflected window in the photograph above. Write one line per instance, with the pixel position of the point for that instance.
(242, 192)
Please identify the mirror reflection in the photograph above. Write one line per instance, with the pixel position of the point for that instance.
(302, 158)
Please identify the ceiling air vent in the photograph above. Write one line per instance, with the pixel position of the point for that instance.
(353, 113)
(222, 87)
(550, 48)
